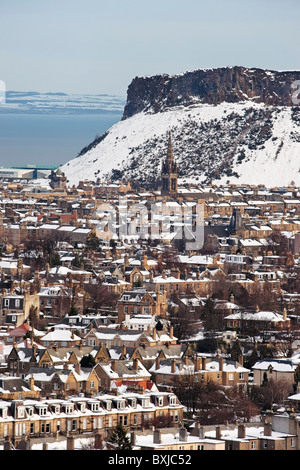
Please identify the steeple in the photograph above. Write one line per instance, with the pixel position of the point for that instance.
(170, 151)
(169, 173)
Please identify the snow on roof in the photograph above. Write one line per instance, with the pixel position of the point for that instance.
(60, 335)
(278, 366)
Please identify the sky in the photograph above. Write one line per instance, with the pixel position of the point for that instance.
(96, 46)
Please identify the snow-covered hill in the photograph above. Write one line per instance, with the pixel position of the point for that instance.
(243, 140)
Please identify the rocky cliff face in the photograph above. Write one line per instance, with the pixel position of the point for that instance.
(209, 86)
(231, 124)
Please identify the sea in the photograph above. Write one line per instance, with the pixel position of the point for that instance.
(49, 139)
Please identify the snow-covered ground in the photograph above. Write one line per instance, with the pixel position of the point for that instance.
(142, 139)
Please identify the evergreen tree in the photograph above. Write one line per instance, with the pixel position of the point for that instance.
(73, 310)
(119, 439)
(88, 361)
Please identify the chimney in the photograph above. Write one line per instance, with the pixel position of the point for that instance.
(267, 429)
(70, 443)
(197, 364)
(218, 432)
(171, 332)
(157, 363)
(114, 365)
(173, 366)
(284, 314)
(154, 334)
(183, 434)
(132, 438)
(135, 364)
(203, 363)
(31, 383)
(241, 431)
(156, 436)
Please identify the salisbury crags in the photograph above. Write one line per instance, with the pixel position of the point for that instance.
(210, 86)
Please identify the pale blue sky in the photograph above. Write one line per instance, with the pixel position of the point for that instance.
(96, 46)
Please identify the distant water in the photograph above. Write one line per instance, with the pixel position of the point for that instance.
(49, 139)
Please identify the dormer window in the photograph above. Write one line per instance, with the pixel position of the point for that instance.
(30, 411)
(82, 407)
(43, 411)
(95, 406)
(4, 413)
(133, 402)
(120, 404)
(108, 405)
(21, 412)
(160, 401)
(172, 400)
(145, 402)
(69, 408)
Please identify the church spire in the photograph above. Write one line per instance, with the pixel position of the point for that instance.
(169, 172)
(170, 151)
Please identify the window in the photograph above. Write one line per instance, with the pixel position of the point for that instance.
(95, 406)
(69, 409)
(172, 400)
(21, 412)
(293, 442)
(43, 411)
(20, 429)
(133, 402)
(231, 376)
(145, 402)
(31, 428)
(82, 407)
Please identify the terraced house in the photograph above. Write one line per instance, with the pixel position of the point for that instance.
(81, 415)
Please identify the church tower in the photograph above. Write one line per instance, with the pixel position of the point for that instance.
(169, 173)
